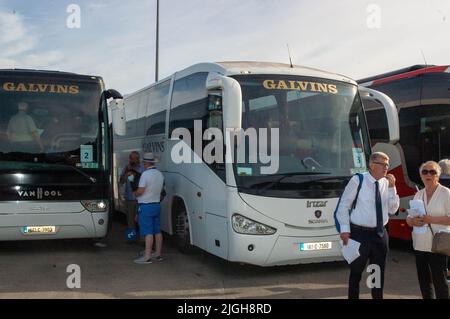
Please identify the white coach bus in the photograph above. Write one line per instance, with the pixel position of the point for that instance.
(278, 209)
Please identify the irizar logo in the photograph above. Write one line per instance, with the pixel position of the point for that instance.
(39, 193)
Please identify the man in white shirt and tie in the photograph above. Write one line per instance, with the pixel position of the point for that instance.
(366, 223)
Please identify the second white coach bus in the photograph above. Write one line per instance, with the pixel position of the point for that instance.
(250, 204)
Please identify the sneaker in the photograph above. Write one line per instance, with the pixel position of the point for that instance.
(158, 258)
(142, 253)
(143, 260)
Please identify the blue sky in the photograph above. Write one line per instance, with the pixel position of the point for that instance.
(117, 38)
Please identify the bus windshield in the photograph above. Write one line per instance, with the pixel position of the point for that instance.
(323, 138)
(48, 120)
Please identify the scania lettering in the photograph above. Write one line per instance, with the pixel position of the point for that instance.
(231, 207)
(55, 154)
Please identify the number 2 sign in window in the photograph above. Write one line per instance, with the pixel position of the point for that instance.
(86, 153)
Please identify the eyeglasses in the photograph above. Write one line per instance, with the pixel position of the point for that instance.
(383, 164)
(428, 171)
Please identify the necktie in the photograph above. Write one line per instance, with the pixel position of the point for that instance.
(379, 210)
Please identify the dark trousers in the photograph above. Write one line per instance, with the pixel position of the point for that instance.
(431, 271)
(373, 250)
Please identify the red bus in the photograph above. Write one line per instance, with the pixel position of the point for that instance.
(422, 96)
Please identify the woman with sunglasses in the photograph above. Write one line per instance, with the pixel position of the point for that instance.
(431, 267)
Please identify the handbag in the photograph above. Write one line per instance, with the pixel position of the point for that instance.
(441, 242)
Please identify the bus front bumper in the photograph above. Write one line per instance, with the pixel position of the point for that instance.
(59, 226)
(285, 250)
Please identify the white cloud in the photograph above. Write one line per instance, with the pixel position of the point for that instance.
(43, 60)
(7, 63)
(18, 43)
(23, 44)
(11, 28)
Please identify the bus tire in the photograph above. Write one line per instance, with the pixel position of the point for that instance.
(181, 229)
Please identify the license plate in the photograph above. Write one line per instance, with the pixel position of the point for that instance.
(29, 230)
(315, 246)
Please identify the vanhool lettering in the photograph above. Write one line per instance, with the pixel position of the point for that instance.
(41, 88)
(300, 86)
(39, 193)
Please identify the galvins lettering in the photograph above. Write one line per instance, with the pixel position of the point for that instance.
(41, 88)
(300, 86)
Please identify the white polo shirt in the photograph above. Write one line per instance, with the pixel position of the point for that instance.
(152, 181)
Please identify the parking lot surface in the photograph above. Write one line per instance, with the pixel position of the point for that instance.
(39, 269)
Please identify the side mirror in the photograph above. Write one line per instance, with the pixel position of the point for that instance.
(231, 99)
(389, 108)
(113, 94)
(119, 121)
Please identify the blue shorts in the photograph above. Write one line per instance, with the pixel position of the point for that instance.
(149, 219)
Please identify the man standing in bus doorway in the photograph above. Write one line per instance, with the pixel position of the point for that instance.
(366, 224)
(129, 173)
(22, 131)
(148, 195)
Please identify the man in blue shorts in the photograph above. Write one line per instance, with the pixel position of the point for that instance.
(148, 196)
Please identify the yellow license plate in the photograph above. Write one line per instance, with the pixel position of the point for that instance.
(315, 246)
(29, 230)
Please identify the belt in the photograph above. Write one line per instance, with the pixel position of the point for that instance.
(370, 229)
(148, 203)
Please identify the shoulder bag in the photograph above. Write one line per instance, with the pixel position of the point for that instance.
(441, 240)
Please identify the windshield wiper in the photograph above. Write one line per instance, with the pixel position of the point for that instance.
(92, 179)
(50, 165)
(285, 175)
(337, 178)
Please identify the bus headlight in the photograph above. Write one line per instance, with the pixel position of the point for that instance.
(243, 225)
(95, 205)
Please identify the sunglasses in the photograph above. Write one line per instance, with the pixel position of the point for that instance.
(383, 164)
(430, 171)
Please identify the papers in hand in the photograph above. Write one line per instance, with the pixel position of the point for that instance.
(417, 209)
(351, 250)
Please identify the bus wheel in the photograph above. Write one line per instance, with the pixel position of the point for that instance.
(182, 232)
